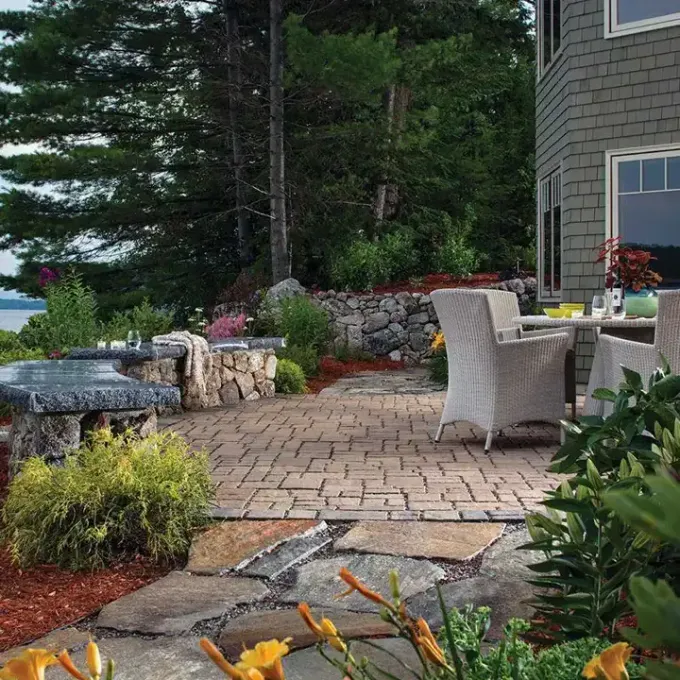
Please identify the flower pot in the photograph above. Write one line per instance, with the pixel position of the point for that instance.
(643, 303)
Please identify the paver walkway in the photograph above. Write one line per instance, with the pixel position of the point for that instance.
(364, 449)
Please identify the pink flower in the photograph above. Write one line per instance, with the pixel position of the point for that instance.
(47, 276)
(226, 327)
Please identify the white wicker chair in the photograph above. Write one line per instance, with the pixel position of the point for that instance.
(496, 383)
(612, 353)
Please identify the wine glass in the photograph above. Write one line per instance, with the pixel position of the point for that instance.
(134, 339)
(599, 306)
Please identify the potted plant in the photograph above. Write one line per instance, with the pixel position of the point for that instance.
(632, 268)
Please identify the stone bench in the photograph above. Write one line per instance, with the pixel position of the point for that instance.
(57, 402)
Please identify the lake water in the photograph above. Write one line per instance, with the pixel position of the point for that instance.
(14, 319)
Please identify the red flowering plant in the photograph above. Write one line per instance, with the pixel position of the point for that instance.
(631, 266)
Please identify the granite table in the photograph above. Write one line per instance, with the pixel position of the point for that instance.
(57, 402)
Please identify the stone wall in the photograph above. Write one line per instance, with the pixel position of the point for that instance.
(398, 325)
(234, 376)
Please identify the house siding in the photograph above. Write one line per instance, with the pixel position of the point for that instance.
(615, 93)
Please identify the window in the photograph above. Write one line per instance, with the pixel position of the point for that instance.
(632, 16)
(549, 22)
(550, 236)
(644, 205)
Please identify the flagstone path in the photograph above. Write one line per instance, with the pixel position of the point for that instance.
(363, 449)
(153, 633)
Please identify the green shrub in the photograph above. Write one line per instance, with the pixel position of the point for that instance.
(70, 319)
(438, 367)
(342, 351)
(290, 378)
(457, 257)
(306, 358)
(143, 318)
(115, 497)
(304, 323)
(591, 552)
(9, 341)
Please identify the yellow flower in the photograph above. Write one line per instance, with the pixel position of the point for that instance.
(67, 664)
(265, 658)
(428, 643)
(94, 660)
(332, 635)
(356, 585)
(29, 665)
(438, 341)
(218, 659)
(610, 664)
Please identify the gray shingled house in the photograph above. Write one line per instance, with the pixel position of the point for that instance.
(607, 141)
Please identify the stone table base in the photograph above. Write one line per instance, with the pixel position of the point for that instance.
(51, 436)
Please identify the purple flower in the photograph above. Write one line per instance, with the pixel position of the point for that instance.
(47, 276)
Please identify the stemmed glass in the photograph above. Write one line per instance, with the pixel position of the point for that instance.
(134, 339)
(599, 306)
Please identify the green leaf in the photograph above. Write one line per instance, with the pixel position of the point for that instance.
(604, 394)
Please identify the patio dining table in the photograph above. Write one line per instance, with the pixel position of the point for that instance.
(637, 328)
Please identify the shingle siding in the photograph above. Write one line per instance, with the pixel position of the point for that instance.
(599, 95)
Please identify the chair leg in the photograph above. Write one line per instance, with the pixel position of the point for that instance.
(489, 439)
(440, 431)
(573, 410)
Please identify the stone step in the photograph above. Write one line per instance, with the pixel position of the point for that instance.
(272, 564)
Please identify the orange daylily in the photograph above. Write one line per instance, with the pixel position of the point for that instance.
(356, 585)
(67, 664)
(610, 664)
(265, 658)
(306, 614)
(29, 665)
(218, 659)
(428, 643)
(324, 631)
(438, 341)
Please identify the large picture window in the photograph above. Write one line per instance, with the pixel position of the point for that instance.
(633, 16)
(550, 236)
(644, 203)
(549, 22)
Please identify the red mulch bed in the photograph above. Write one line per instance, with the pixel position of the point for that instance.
(433, 281)
(332, 370)
(38, 600)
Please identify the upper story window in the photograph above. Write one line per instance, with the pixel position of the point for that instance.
(549, 22)
(643, 195)
(634, 16)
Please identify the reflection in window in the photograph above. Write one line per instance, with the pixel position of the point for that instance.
(647, 211)
(550, 235)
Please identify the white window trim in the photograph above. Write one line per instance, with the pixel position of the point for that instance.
(540, 69)
(539, 240)
(612, 29)
(613, 158)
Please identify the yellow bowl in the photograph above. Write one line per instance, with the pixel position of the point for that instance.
(578, 306)
(557, 313)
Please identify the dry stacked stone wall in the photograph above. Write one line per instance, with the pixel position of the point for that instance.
(398, 325)
(246, 374)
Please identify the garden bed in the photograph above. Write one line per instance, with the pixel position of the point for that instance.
(434, 281)
(35, 601)
(332, 370)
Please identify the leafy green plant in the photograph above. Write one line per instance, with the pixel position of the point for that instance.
(9, 341)
(143, 318)
(34, 331)
(438, 367)
(115, 497)
(342, 351)
(457, 257)
(591, 552)
(290, 378)
(304, 323)
(306, 358)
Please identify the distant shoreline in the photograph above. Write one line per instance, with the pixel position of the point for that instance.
(25, 305)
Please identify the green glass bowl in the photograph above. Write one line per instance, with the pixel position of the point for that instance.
(644, 304)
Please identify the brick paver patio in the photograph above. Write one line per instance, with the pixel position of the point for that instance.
(360, 456)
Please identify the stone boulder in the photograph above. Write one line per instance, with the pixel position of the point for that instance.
(285, 289)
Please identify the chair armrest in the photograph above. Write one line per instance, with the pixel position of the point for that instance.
(538, 349)
(551, 331)
(505, 334)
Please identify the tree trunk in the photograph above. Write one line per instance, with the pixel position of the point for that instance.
(234, 76)
(278, 228)
(381, 194)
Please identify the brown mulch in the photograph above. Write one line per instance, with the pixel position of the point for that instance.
(35, 601)
(332, 370)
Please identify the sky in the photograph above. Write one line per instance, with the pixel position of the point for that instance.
(7, 260)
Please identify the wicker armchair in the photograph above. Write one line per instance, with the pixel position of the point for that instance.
(612, 353)
(496, 383)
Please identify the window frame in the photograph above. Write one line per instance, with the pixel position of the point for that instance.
(613, 158)
(552, 296)
(541, 70)
(612, 29)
